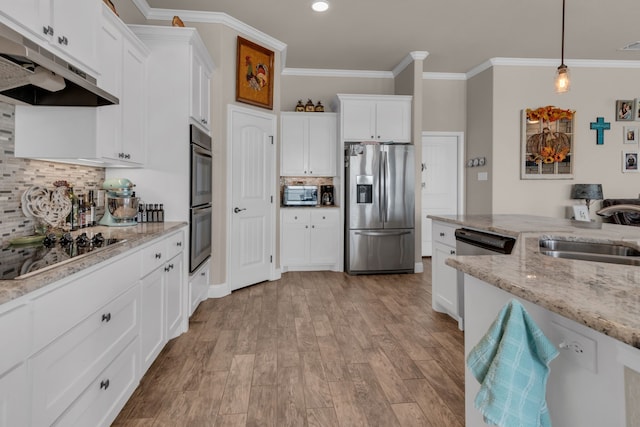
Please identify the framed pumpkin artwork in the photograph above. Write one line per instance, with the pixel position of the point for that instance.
(254, 74)
(547, 145)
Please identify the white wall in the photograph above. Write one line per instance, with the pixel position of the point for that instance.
(593, 94)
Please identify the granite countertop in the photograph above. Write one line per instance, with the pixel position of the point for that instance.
(134, 236)
(602, 296)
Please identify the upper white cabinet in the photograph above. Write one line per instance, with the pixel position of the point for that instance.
(308, 144)
(381, 118)
(66, 26)
(113, 135)
(200, 110)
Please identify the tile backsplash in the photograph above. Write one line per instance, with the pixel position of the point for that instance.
(20, 174)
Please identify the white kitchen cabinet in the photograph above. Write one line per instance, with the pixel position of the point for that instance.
(446, 283)
(381, 118)
(309, 239)
(200, 90)
(66, 27)
(113, 135)
(152, 318)
(308, 144)
(199, 286)
(14, 397)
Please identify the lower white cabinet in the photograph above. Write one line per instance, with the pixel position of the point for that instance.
(198, 287)
(14, 397)
(310, 238)
(447, 295)
(79, 346)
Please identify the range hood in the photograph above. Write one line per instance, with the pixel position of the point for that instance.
(30, 74)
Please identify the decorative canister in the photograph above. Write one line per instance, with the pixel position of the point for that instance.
(309, 107)
(300, 106)
(319, 107)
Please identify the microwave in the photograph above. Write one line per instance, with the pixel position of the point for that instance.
(300, 195)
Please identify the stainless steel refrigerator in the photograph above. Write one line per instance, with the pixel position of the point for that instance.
(379, 232)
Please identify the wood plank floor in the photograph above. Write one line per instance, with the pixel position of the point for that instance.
(312, 349)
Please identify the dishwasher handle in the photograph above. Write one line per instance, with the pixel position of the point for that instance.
(492, 242)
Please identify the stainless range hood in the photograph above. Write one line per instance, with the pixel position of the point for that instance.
(30, 74)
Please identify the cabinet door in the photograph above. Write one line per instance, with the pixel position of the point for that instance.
(444, 281)
(26, 13)
(152, 318)
(134, 104)
(324, 237)
(14, 406)
(322, 145)
(393, 120)
(358, 120)
(200, 108)
(294, 245)
(74, 23)
(173, 279)
(205, 99)
(294, 143)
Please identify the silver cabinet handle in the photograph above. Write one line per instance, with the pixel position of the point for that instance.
(237, 209)
(452, 252)
(63, 40)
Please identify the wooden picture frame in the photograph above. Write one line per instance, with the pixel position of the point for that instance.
(254, 74)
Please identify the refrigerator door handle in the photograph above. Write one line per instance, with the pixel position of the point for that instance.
(380, 184)
(387, 180)
(382, 233)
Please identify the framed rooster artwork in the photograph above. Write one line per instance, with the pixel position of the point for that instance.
(254, 74)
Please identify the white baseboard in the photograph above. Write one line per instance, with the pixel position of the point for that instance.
(419, 268)
(218, 291)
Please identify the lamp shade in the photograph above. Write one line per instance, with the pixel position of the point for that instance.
(587, 191)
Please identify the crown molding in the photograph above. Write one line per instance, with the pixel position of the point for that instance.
(214, 18)
(418, 55)
(319, 72)
(444, 76)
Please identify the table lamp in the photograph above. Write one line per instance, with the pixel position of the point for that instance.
(588, 192)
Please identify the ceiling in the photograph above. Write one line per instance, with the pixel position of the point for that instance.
(459, 35)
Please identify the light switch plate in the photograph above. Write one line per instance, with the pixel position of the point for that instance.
(483, 176)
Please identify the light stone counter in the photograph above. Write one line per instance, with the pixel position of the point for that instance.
(134, 236)
(605, 297)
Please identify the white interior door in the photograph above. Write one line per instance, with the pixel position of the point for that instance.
(251, 196)
(441, 191)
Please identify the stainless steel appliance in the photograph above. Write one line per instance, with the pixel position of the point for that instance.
(121, 203)
(300, 195)
(379, 208)
(31, 74)
(326, 195)
(200, 221)
(473, 242)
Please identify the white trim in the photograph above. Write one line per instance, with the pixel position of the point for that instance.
(231, 108)
(411, 57)
(419, 267)
(461, 162)
(444, 76)
(310, 72)
(218, 291)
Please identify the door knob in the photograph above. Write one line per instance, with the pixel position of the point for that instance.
(237, 209)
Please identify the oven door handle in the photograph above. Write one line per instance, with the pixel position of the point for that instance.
(201, 210)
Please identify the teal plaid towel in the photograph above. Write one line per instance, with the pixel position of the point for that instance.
(511, 362)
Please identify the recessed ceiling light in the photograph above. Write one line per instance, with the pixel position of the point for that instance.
(320, 5)
(632, 46)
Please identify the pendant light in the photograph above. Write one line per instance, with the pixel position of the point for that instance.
(320, 5)
(562, 73)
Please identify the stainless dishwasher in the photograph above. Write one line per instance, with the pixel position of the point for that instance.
(472, 242)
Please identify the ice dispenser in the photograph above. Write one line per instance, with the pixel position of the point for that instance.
(364, 187)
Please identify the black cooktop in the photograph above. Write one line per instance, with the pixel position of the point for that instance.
(20, 261)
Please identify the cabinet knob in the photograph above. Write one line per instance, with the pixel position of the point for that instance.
(158, 255)
(47, 30)
(306, 226)
(106, 317)
(179, 244)
(166, 269)
(170, 266)
(104, 384)
(441, 234)
(324, 217)
(313, 226)
(127, 156)
(63, 40)
(203, 274)
(452, 252)
(295, 217)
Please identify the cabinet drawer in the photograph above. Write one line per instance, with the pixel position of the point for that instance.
(153, 257)
(100, 403)
(15, 328)
(444, 233)
(296, 216)
(69, 364)
(174, 244)
(63, 308)
(325, 216)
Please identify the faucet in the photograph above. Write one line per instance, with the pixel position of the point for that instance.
(613, 209)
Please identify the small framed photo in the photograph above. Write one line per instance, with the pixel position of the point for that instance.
(629, 161)
(581, 213)
(624, 110)
(636, 109)
(630, 134)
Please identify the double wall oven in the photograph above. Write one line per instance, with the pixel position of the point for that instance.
(201, 198)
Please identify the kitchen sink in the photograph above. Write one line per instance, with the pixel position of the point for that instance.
(590, 251)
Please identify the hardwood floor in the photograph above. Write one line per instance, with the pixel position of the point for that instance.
(312, 349)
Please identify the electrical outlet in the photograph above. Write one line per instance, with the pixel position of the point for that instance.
(576, 347)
